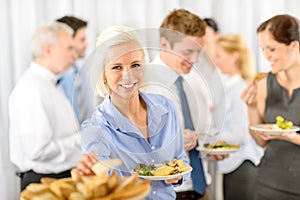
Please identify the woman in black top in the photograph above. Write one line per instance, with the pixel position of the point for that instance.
(277, 94)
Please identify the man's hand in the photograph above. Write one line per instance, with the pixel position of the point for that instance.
(190, 139)
(218, 157)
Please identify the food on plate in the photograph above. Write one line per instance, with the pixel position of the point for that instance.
(164, 169)
(259, 76)
(221, 145)
(283, 123)
(98, 187)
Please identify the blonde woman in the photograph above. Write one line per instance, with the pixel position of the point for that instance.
(235, 60)
(128, 124)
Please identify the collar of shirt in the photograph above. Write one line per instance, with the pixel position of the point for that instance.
(74, 69)
(119, 121)
(44, 72)
(71, 72)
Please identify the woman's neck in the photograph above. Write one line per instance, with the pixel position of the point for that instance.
(291, 75)
(134, 108)
(126, 106)
(289, 79)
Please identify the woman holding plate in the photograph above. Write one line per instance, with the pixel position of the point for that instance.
(128, 124)
(277, 94)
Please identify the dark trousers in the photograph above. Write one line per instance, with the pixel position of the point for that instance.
(33, 177)
(240, 184)
(192, 195)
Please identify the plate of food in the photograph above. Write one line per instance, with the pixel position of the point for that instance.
(273, 129)
(219, 148)
(282, 126)
(162, 171)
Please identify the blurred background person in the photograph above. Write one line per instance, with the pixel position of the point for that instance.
(277, 94)
(213, 78)
(212, 33)
(235, 60)
(211, 73)
(44, 133)
(74, 82)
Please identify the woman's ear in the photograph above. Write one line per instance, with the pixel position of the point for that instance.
(295, 44)
(104, 78)
(235, 56)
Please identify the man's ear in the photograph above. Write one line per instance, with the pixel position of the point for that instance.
(47, 49)
(164, 43)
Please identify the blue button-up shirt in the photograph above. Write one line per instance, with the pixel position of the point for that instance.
(68, 81)
(111, 135)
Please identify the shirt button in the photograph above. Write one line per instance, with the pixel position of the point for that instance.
(153, 147)
(153, 161)
(154, 192)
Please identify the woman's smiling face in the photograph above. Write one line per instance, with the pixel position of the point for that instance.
(125, 70)
(279, 55)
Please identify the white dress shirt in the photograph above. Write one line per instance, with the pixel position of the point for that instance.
(44, 132)
(160, 79)
(236, 127)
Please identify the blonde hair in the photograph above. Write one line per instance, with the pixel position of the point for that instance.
(113, 36)
(232, 43)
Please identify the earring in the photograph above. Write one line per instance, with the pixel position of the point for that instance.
(105, 81)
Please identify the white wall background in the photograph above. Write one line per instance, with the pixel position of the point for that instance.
(19, 19)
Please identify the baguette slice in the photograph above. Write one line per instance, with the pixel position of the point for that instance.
(105, 165)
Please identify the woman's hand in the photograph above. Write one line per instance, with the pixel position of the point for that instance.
(290, 137)
(85, 164)
(265, 136)
(173, 180)
(249, 94)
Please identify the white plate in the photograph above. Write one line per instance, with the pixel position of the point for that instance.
(162, 178)
(218, 151)
(267, 128)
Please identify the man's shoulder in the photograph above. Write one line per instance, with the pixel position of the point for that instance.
(29, 86)
(25, 82)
